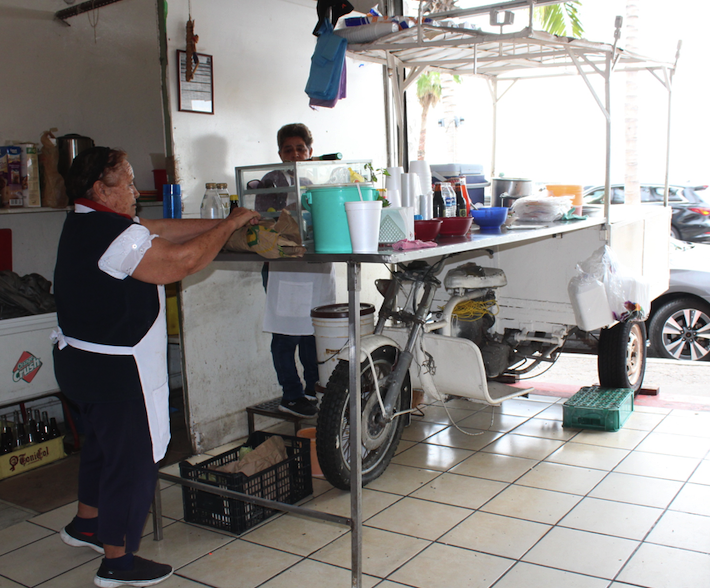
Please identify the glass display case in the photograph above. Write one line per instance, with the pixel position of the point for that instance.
(273, 187)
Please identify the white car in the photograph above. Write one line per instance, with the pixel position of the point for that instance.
(678, 325)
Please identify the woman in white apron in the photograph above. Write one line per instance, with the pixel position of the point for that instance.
(111, 348)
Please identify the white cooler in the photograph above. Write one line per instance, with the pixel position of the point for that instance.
(26, 364)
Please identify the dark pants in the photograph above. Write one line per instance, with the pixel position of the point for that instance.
(117, 473)
(283, 352)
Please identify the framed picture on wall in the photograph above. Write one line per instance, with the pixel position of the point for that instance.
(196, 95)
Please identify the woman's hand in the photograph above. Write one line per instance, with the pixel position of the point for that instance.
(243, 217)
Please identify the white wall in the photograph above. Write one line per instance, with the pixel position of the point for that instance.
(59, 76)
(261, 54)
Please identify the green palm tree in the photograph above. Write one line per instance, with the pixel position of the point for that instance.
(561, 19)
(428, 93)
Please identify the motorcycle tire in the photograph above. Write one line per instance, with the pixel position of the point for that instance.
(621, 357)
(379, 439)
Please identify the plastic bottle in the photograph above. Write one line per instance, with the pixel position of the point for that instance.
(449, 196)
(224, 195)
(439, 207)
(212, 206)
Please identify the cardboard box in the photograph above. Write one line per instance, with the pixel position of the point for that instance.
(30, 457)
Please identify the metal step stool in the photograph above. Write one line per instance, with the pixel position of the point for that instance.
(270, 408)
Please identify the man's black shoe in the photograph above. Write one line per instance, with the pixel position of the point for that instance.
(72, 537)
(300, 407)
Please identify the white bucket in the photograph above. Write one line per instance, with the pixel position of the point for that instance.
(330, 323)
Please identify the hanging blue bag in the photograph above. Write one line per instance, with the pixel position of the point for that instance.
(326, 64)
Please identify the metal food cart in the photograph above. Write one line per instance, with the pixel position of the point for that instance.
(551, 252)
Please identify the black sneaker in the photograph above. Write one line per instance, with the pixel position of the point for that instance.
(144, 573)
(72, 537)
(300, 407)
(310, 395)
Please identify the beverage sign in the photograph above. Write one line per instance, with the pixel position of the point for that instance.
(26, 367)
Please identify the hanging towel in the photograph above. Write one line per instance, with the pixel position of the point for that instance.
(326, 65)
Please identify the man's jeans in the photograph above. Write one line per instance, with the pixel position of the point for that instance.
(283, 351)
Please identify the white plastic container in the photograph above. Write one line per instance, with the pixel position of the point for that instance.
(330, 323)
(590, 304)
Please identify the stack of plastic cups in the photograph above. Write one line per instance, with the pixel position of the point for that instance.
(393, 183)
(172, 201)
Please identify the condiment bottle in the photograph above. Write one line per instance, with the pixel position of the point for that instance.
(212, 206)
(460, 200)
(439, 209)
(466, 197)
(233, 201)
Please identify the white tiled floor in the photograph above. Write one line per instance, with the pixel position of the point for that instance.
(524, 504)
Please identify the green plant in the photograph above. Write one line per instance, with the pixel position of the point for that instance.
(374, 171)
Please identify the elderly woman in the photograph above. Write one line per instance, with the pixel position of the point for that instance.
(110, 356)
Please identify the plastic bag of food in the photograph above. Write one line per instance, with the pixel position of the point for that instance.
(602, 289)
(540, 208)
(270, 239)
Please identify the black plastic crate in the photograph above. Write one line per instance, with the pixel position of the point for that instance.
(288, 481)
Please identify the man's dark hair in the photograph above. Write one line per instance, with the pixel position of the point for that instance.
(89, 166)
(294, 130)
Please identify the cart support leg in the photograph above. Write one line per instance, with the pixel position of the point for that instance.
(355, 411)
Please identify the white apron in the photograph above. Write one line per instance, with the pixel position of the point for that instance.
(291, 294)
(151, 359)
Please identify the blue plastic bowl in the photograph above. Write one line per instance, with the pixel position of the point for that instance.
(490, 219)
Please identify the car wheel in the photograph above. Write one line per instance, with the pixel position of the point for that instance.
(621, 356)
(675, 233)
(680, 329)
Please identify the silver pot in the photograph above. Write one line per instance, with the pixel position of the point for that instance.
(507, 190)
(69, 147)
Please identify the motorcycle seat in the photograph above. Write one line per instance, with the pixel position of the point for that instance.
(472, 276)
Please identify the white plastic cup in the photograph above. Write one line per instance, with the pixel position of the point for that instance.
(423, 170)
(411, 190)
(364, 224)
(394, 198)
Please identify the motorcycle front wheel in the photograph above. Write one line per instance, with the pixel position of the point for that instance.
(379, 437)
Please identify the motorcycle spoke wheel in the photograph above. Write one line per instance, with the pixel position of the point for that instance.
(379, 437)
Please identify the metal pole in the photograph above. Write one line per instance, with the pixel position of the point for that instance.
(355, 433)
(157, 514)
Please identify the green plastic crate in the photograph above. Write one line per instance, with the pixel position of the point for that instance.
(594, 407)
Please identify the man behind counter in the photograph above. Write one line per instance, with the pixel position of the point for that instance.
(292, 290)
(110, 357)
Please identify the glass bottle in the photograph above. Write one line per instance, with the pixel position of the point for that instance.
(54, 431)
(449, 196)
(439, 208)
(460, 201)
(212, 206)
(224, 195)
(233, 202)
(44, 426)
(7, 441)
(20, 435)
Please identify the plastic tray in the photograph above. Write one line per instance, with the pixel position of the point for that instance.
(594, 407)
(288, 481)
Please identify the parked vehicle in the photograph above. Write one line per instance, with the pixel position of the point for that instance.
(690, 220)
(678, 325)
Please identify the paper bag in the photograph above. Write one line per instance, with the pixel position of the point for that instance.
(269, 453)
(270, 239)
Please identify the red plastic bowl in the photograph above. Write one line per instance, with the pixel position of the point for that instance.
(426, 230)
(455, 226)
